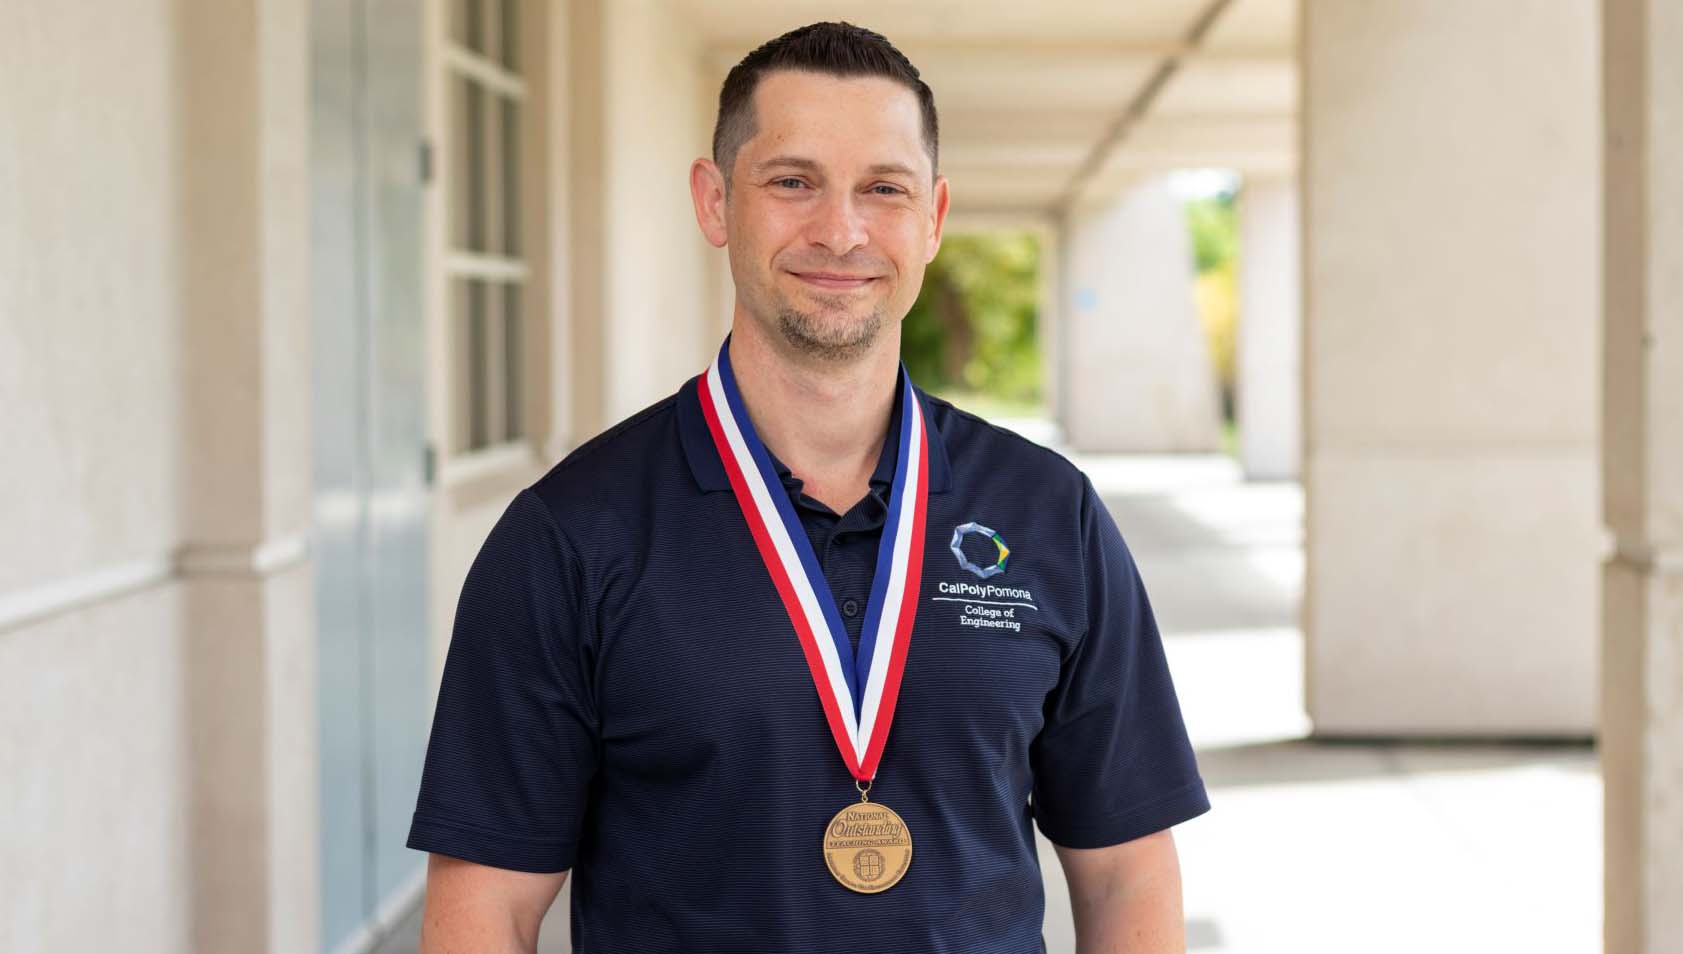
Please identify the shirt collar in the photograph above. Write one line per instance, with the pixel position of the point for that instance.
(709, 471)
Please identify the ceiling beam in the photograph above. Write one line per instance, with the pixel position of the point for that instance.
(1137, 108)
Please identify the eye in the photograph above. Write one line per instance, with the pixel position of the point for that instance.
(892, 190)
(786, 179)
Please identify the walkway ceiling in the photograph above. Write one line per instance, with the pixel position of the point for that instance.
(1060, 102)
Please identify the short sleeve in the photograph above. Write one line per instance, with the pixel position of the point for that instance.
(1112, 761)
(514, 735)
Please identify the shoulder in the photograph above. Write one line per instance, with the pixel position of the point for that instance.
(613, 476)
(980, 450)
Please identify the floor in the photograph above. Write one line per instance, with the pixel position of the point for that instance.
(1314, 846)
(1334, 847)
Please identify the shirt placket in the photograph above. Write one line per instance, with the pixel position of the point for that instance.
(846, 551)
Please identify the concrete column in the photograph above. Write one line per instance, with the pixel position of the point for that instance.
(243, 161)
(1137, 371)
(1642, 476)
(590, 306)
(1270, 383)
(641, 109)
(655, 122)
(1451, 173)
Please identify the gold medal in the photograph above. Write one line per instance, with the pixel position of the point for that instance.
(867, 847)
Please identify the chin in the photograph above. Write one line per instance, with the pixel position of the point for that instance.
(830, 337)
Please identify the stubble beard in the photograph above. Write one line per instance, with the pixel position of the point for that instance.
(829, 341)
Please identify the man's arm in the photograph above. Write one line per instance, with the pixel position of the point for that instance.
(473, 907)
(1126, 898)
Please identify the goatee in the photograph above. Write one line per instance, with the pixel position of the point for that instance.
(826, 341)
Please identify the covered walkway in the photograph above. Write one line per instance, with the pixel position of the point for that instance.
(295, 296)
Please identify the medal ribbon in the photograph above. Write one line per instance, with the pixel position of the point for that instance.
(857, 691)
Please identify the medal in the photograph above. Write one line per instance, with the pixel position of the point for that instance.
(866, 845)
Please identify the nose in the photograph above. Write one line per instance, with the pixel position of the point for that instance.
(837, 223)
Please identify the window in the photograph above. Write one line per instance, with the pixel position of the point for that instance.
(485, 263)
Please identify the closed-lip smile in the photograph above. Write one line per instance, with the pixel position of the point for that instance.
(834, 279)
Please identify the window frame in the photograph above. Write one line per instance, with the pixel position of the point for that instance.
(505, 258)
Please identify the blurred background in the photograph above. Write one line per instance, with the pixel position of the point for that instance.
(1366, 318)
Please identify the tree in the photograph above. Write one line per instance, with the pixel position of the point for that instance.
(974, 325)
(1213, 222)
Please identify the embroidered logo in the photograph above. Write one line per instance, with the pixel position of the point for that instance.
(965, 529)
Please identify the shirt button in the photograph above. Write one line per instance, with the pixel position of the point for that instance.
(850, 608)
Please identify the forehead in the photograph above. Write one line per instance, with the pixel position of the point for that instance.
(836, 119)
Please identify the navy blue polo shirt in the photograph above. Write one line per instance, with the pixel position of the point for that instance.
(624, 696)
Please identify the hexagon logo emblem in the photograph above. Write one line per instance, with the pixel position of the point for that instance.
(965, 529)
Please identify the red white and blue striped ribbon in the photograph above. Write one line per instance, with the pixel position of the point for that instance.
(857, 690)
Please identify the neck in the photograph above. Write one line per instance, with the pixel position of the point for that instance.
(825, 421)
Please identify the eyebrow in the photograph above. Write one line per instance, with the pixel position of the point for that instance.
(799, 162)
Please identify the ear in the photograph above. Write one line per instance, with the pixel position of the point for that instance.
(707, 190)
(941, 198)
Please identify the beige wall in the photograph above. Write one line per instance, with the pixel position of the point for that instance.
(93, 738)
(90, 368)
(92, 665)
(644, 284)
(156, 629)
(1451, 278)
(655, 258)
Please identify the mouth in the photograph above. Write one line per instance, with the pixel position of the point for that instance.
(834, 281)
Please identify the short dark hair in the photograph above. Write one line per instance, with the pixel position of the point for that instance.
(837, 49)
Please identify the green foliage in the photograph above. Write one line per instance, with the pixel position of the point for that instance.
(973, 327)
(1217, 296)
(1214, 225)
(1215, 230)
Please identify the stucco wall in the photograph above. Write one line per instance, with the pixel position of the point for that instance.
(1451, 263)
(92, 684)
(658, 329)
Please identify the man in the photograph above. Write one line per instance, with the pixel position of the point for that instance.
(777, 663)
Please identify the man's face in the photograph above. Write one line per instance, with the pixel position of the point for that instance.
(832, 215)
